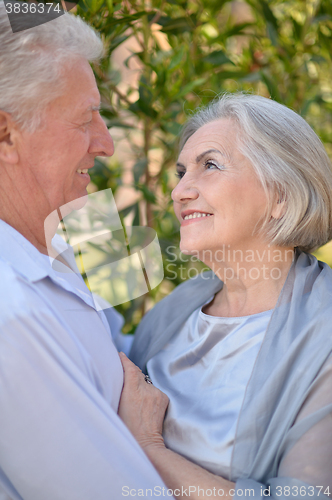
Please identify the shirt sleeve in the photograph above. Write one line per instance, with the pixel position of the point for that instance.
(305, 469)
(59, 438)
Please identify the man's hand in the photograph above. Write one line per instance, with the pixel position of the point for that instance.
(142, 406)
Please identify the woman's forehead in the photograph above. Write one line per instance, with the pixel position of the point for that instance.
(217, 136)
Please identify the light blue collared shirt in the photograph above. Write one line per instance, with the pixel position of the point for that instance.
(60, 385)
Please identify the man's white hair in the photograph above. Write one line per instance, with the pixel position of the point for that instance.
(33, 62)
(289, 159)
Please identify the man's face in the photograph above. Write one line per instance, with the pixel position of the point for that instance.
(72, 135)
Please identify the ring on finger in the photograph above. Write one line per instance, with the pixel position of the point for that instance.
(147, 379)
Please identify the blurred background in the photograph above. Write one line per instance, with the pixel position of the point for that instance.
(163, 60)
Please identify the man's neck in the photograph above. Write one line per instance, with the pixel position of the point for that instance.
(24, 206)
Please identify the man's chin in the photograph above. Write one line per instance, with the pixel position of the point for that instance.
(75, 204)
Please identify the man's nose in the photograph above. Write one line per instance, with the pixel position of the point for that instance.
(101, 140)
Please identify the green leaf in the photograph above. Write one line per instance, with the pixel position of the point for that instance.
(93, 5)
(114, 76)
(268, 14)
(118, 40)
(122, 20)
(271, 86)
(144, 90)
(190, 87)
(217, 58)
(126, 61)
(176, 59)
(272, 34)
(82, 5)
(233, 75)
(318, 59)
(126, 211)
(237, 30)
(160, 57)
(171, 127)
(297, 29)
(161, 20)
(323, 17)
(110, 6)
(136, 221)
(306, 105)
(139, 169)
(100, 174)
(148, 195)
(116, 122)
(178, 25)
(145, 101)
(161, 79)
(252, 77)
(107, 113)
(183, 3)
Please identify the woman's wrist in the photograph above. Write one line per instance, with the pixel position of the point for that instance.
(153, 446)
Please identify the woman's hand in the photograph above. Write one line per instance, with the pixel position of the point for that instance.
(142, 406)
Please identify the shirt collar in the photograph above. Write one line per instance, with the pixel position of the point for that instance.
(21, 255)
(27, 261)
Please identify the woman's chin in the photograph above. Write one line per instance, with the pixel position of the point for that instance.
(188, 249)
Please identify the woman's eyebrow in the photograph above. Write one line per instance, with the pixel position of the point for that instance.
(200, 156)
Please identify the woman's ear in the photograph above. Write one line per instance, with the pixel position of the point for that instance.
(279, 206)
(8, 142)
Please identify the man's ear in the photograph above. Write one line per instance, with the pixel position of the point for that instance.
(8, 142)
(279, 206)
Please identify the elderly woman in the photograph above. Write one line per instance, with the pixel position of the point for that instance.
(243, 352)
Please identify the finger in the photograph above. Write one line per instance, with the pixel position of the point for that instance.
(131, 371)
(127, 364)
(122, 357)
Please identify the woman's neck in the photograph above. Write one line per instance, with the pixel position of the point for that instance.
(252, 281)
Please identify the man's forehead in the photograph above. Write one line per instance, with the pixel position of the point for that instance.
(75, 104)
(88, 106)
(82, 93)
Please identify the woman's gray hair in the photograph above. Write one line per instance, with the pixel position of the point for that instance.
(289, 159)
(32, 63)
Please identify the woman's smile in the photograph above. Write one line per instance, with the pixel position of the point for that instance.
(191, 216)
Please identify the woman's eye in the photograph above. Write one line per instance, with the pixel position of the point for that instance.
(179, 175)
(211, 164)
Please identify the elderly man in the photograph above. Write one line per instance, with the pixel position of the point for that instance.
(60, 374)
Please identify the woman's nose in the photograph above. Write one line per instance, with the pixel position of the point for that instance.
(186, 190)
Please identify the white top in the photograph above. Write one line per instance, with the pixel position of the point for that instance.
(60, 384)
(204, 371)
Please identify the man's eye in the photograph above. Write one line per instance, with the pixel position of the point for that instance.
(86, 124)
(179, 175)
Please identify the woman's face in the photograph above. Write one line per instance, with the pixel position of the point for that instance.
(217, 184)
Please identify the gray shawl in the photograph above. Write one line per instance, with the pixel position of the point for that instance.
(296, 344)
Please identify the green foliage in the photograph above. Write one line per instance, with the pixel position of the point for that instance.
(188, 51)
